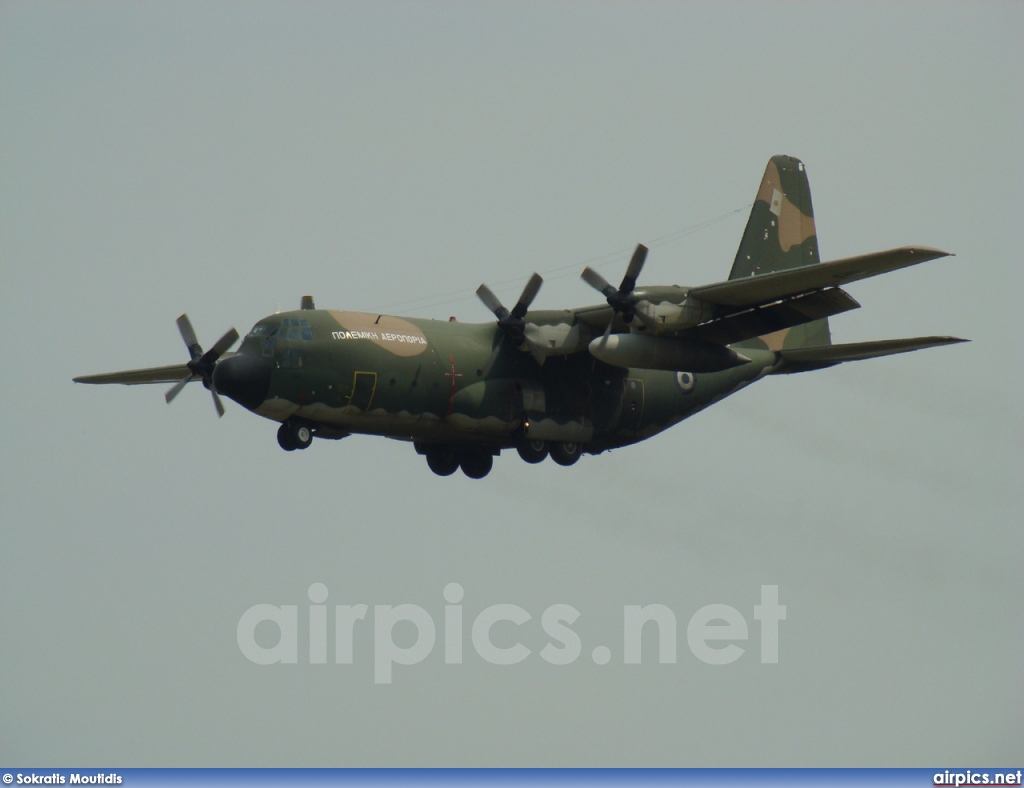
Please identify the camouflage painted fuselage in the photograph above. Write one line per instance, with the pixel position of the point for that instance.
(435, 381)
(553, 383)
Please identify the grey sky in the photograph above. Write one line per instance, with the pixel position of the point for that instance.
(226, 158)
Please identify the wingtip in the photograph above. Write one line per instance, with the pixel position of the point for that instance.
(933, 252)
(940, 341)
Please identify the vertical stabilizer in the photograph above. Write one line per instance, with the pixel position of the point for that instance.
(780, 235)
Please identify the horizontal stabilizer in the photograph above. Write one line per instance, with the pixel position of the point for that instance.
(806, 359)
(764, 288)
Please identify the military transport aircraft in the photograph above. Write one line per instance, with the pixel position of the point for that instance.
(558, 383)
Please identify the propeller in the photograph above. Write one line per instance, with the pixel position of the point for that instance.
(620, 299)
(512, 322)
(200, 364)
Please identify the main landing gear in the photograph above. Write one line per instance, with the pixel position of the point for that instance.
(475, 463)
(565, 453)
(292, 435)
(534, 451)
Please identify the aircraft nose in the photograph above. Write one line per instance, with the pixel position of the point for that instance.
(245, 378)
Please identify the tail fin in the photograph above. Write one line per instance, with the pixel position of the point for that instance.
(780, 235)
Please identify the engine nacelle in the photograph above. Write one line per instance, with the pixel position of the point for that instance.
(663, 316)
(560, 339)
(668, 353)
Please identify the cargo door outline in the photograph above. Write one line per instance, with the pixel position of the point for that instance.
(364, 386)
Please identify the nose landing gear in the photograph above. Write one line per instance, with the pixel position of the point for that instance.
(292, 435)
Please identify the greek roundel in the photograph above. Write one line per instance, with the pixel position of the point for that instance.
(686, 381)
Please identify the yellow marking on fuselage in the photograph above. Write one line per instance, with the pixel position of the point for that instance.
(355, 384)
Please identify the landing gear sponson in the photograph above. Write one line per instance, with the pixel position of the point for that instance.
(445, 460)
(477, 462)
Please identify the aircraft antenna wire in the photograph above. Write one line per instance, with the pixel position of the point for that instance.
(557, 272)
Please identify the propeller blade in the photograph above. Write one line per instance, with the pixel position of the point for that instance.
(636, 265)
(511, 324)
(596, 281)
(225, 342)
(217, 403)
(492, 358)
(529, 293)
(175, 390)
(607, 332)
(491, 302)
(201, 365)
(621, 300)
(189, 335)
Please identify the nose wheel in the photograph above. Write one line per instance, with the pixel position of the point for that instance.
(294, 435)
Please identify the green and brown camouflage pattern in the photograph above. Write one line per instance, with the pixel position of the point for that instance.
(780, 235)
(425, 380)
(780, 232)
(472, 387)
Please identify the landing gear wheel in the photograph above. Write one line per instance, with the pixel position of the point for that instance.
(442, 463)
(302, 435)
(533, 451)
(476, 465)
(291, 436)
(565, 453)
(284, 438)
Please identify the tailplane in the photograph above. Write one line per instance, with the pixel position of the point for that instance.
(811, 358)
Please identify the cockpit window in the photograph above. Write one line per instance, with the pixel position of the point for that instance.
(296, 330)
(290, 328)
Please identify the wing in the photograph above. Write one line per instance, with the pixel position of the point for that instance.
(755, 290)
(739, 309)
(131, 377)
(172, 373)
